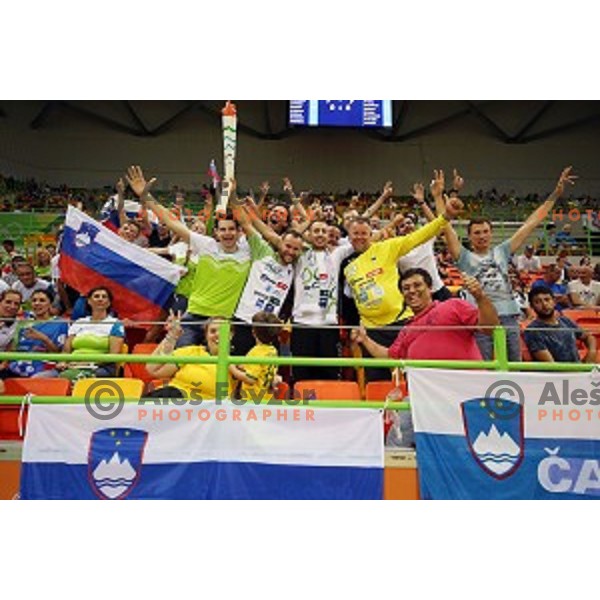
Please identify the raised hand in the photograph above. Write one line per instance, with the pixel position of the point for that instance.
(454, 206)
(120, 187)
(388, 190)
(137, 181)
(173, 325)
(264, 189)
(457, 181)
(418, 192)
(287, 186)
(565, 177)
(438, 183)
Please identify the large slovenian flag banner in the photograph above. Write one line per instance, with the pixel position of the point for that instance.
(220, 451)
(91, 255)
(485, 435)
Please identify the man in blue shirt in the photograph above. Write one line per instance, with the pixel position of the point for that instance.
(559, 290)
(552, 337)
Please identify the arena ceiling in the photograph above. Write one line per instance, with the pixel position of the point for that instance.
(510, 122)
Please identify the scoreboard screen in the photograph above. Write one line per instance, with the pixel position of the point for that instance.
(341, 113)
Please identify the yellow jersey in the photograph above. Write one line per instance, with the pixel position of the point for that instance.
(263, 375)
(373, 276)
(198, 382)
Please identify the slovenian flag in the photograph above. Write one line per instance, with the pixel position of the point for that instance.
(208, 451)
(91, 255)
(492, 435)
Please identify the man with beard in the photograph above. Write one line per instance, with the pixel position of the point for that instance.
(552, 337)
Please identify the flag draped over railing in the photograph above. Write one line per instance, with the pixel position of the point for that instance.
(212, 451)
(506, 435)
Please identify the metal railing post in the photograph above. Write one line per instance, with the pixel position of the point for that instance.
(222, 387)
(500, 348)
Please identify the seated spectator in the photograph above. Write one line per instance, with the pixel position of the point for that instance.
(519, 293)
(559, 290)
(257, 381)
(556, 335)
(47, 334)
(99, 333)
(528, 262)
(196, 381)
(584, 292)
(564, 236)
(28, 283)
(565, 266)
(10, 305)
(9, 248)
(43, 264)
(424, 337)
(9, 270)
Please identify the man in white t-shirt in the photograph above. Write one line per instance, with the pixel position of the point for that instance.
(316, 288)
(28, 283)
(528, 262)
(270, 278)
(584, 291)
(423, 256)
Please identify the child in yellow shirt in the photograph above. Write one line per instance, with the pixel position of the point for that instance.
(257, 380)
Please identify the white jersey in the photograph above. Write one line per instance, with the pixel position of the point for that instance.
(268, 283)
(422, 257)
(316, 285)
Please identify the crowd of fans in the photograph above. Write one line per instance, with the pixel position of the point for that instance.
(383, 276)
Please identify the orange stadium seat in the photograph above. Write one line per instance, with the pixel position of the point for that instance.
(377, 391)
(327, 390)
(138, 370)
(9, 413)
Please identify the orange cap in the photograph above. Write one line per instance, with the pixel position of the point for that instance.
(229, 109)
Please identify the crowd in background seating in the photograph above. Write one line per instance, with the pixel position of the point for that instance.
(320, 238)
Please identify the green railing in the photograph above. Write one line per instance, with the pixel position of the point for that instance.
(224, 359)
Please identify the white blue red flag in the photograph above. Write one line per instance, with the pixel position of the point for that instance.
(487, 435)
(210, 451)
(91, 255)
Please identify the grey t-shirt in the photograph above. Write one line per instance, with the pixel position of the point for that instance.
(491, 270)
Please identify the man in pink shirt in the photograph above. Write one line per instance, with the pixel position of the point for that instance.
(437, 331)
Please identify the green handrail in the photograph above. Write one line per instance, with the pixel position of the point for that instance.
(223, 360)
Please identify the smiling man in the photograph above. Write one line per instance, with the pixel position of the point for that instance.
(222, 268)
(425, 336)
(489, 264)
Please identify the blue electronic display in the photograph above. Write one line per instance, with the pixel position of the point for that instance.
(341, 113)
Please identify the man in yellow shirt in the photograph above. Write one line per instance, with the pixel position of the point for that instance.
(372, 277)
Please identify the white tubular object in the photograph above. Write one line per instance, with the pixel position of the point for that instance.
(229, 121)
